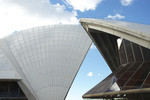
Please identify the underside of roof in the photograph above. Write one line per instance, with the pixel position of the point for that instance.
(104, 33)
(130, 63)
(107, 45)
(137, 33)
(132, 77)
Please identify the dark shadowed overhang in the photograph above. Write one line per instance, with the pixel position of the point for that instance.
(104, 34)
(137, 33)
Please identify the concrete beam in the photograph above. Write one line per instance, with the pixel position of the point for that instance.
(140, 38)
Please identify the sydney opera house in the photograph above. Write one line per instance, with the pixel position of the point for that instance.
(129, 59)
(41, 63)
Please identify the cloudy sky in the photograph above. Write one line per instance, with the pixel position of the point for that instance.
(16, 15)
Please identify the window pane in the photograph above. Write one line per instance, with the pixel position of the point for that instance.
(137, 52)
(138, 78)
(14, 89)
(4, 89)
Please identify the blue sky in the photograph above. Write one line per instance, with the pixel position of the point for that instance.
(16, 15)
(134, 11)
(92, 71)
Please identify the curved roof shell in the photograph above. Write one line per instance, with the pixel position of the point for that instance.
(129, 63)
(47, 59)
(137, 33)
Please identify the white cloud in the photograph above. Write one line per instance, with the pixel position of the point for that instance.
(93, 46)
(98, 74)
(83, 5)
(16, 15)
(116, 16)
(90, 74)
(126, 2)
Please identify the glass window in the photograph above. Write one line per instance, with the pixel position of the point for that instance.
(128, 73)
(137, 52)
(126, 42)
(13, 90)
(146, 54)
(147, 82)
(122, 56)
(138, 78)
(129, 53)
(122, 70)
(4, 89)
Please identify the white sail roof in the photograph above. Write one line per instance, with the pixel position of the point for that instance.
(137, 33)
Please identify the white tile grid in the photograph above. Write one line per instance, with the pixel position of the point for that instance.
(42, 57)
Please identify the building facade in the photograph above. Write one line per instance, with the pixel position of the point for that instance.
(128, 59)
(41, 63)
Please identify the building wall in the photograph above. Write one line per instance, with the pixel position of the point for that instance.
(47, 59)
